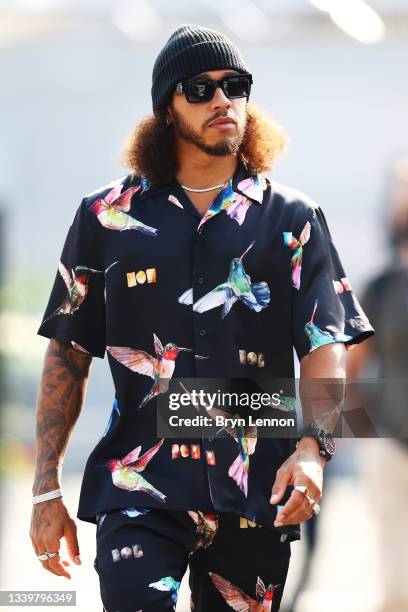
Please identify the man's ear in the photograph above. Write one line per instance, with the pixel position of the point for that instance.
(169, 115)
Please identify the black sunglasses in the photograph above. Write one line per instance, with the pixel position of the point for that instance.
(202, 89)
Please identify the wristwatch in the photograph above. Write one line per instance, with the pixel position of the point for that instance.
(325, 440)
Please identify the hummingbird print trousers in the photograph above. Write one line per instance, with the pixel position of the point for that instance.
(143, 553)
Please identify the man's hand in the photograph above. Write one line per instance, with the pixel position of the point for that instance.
(303, 467)
(50, 522)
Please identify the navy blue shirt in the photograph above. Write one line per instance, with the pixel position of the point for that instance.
(143, 275)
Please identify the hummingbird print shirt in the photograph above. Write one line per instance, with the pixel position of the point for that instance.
(166, 292)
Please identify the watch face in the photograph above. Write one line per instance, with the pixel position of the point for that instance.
(329, 443)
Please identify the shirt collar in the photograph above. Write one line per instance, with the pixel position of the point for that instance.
(243, 182)
(250, 185)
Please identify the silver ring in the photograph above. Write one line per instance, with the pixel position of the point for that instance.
(310, 500)
(301, 489)
(316, 508)
(47, 555)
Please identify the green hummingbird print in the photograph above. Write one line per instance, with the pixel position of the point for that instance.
(318, 337)
(126, 472)
(237, 287)
(167, 584)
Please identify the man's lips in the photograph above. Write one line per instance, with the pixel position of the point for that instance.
(222, 123)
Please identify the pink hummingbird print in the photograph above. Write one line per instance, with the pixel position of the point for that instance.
(159, 368)
(79, 348)
(175, 201)
(240, 601)
(112, 210)
(126, 471)
(245, 437)
(253, 187)
(236, 204)
(342, 285)
(296, 246)
(77, 286)
(239, 469)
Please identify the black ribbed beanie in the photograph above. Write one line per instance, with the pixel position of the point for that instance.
(191, 49)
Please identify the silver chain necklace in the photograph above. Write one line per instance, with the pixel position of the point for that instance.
(203, 190)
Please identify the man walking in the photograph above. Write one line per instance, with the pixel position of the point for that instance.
(193, 265)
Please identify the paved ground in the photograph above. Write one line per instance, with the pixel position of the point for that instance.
(345, 573)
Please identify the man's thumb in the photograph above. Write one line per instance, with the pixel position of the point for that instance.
(72, 543)
(278, 489)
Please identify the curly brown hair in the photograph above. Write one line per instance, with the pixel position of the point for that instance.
(150, 150)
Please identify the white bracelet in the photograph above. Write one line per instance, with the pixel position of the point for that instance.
(37, 499)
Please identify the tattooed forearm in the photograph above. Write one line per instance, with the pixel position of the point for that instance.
(60, 396)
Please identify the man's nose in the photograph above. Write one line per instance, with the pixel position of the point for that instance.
(220, 100)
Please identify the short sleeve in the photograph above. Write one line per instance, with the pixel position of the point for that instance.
(325, 308)
(75, 314)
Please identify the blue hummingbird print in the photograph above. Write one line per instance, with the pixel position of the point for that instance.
(134, 512)
(115, 408)
(318, 337)
(100, 518)
(238, 286)
(167, 584)
(234, 203)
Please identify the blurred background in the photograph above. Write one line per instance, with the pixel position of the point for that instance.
(75, 78)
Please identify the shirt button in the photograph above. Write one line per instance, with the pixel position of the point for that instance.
(203, 332)
(200, 280)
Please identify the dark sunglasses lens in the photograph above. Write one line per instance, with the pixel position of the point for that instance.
(237, 87)
(199, 91)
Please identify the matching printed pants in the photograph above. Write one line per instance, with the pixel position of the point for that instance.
(235, 564)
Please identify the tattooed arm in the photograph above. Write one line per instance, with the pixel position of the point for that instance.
(60, 397)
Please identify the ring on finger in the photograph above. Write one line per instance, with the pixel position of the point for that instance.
(47, 555)
(302, 489)
(316, 508)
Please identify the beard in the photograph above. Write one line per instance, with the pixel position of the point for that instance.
(229, 146)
